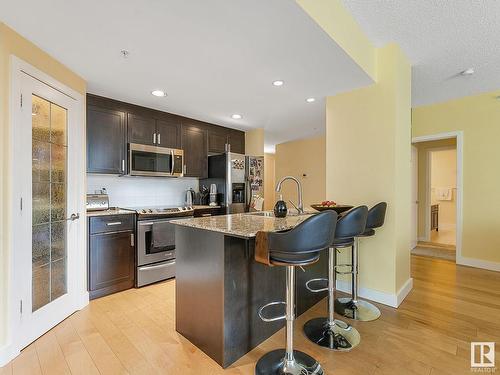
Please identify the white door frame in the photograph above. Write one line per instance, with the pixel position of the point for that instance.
(18, 69)
(414, 203)
(459, 135)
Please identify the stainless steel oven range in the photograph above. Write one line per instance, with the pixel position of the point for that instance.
(156, 242)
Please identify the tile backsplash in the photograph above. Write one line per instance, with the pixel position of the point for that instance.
(129, 191)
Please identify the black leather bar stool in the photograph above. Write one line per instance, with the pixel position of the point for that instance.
(298, 247)
(352, 307)
(328, 331)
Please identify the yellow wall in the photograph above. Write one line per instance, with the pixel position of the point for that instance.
(12, 43)
(368, 160)
(479, 118)
(423, 148)
(254, 142)
(305, 160)
(337, 22)
(269, 181)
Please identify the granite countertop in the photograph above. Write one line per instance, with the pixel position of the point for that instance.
(244, 225)
(110, 211)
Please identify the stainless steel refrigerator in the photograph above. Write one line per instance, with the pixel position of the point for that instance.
(239, 180)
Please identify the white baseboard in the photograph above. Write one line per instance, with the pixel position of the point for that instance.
(7, 354)
(392, 300)
(404, 291)
(478, 263)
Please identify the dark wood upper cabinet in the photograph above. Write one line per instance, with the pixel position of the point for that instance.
(112, 124)
(219, 137)
(237, 141)
(141, 129)
(217, 141)
(168, 133)
(105, 140)
(195, 146)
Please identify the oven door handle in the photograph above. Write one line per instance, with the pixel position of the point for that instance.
(157, 266)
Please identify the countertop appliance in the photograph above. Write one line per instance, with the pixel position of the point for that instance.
(154, 161)
(190, 197)
(97, 202)
(239, 180)
(156, 242)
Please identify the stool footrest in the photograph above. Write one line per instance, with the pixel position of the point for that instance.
(271, 319)
(309, 288)
(347, 265)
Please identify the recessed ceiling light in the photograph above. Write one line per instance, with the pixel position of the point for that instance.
(124, 53)
(310, 100)
(236, 116)
(159, 93)
(467, 72)
(278, 83)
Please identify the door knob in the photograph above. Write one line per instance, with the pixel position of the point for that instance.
(74, 217)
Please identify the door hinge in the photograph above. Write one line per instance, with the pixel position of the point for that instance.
(21, 306)
(21, 100)
(21, 204)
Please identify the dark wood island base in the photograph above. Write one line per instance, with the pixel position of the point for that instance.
(220, 288)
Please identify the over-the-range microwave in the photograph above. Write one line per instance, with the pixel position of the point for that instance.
(155, 161)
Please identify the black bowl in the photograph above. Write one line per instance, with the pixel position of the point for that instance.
(339, 208)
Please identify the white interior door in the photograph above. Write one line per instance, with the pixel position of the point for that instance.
(47, 174)
(414, 197)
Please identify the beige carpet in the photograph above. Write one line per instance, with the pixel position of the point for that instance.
(434, 252)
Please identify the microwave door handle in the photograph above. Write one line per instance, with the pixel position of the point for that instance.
(172, 162)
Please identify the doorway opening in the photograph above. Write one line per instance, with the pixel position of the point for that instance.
(436, 181)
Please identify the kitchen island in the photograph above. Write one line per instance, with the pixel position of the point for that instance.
(220, 287)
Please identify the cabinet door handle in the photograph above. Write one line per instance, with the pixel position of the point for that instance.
(132, 239)
(113, 223)
(154, 138)
(123, 165)
(205, 215)
(73, 217)
(159, 138)
(185, 169)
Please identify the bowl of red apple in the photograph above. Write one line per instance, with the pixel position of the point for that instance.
(331, 205)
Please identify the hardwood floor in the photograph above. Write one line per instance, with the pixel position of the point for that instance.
(133, 332)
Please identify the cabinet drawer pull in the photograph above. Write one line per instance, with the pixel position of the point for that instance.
(204, 215)
(132, 239)
(154, 138)
(159, 138)
(113, 223)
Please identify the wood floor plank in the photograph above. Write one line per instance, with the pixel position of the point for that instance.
(27, 362)
(134, 332)
(104, 358)
(7, 369)
(50, 355)
(75, 353)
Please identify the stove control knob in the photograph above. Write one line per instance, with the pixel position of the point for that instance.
(150, 211)
(143, 211)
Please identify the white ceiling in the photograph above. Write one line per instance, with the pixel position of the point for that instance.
(214, 58)
(441, 38)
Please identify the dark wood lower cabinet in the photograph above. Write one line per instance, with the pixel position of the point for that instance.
(111, 261)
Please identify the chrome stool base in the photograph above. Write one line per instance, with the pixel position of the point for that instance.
(360, 310)
(340, 337)
(273, 363)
